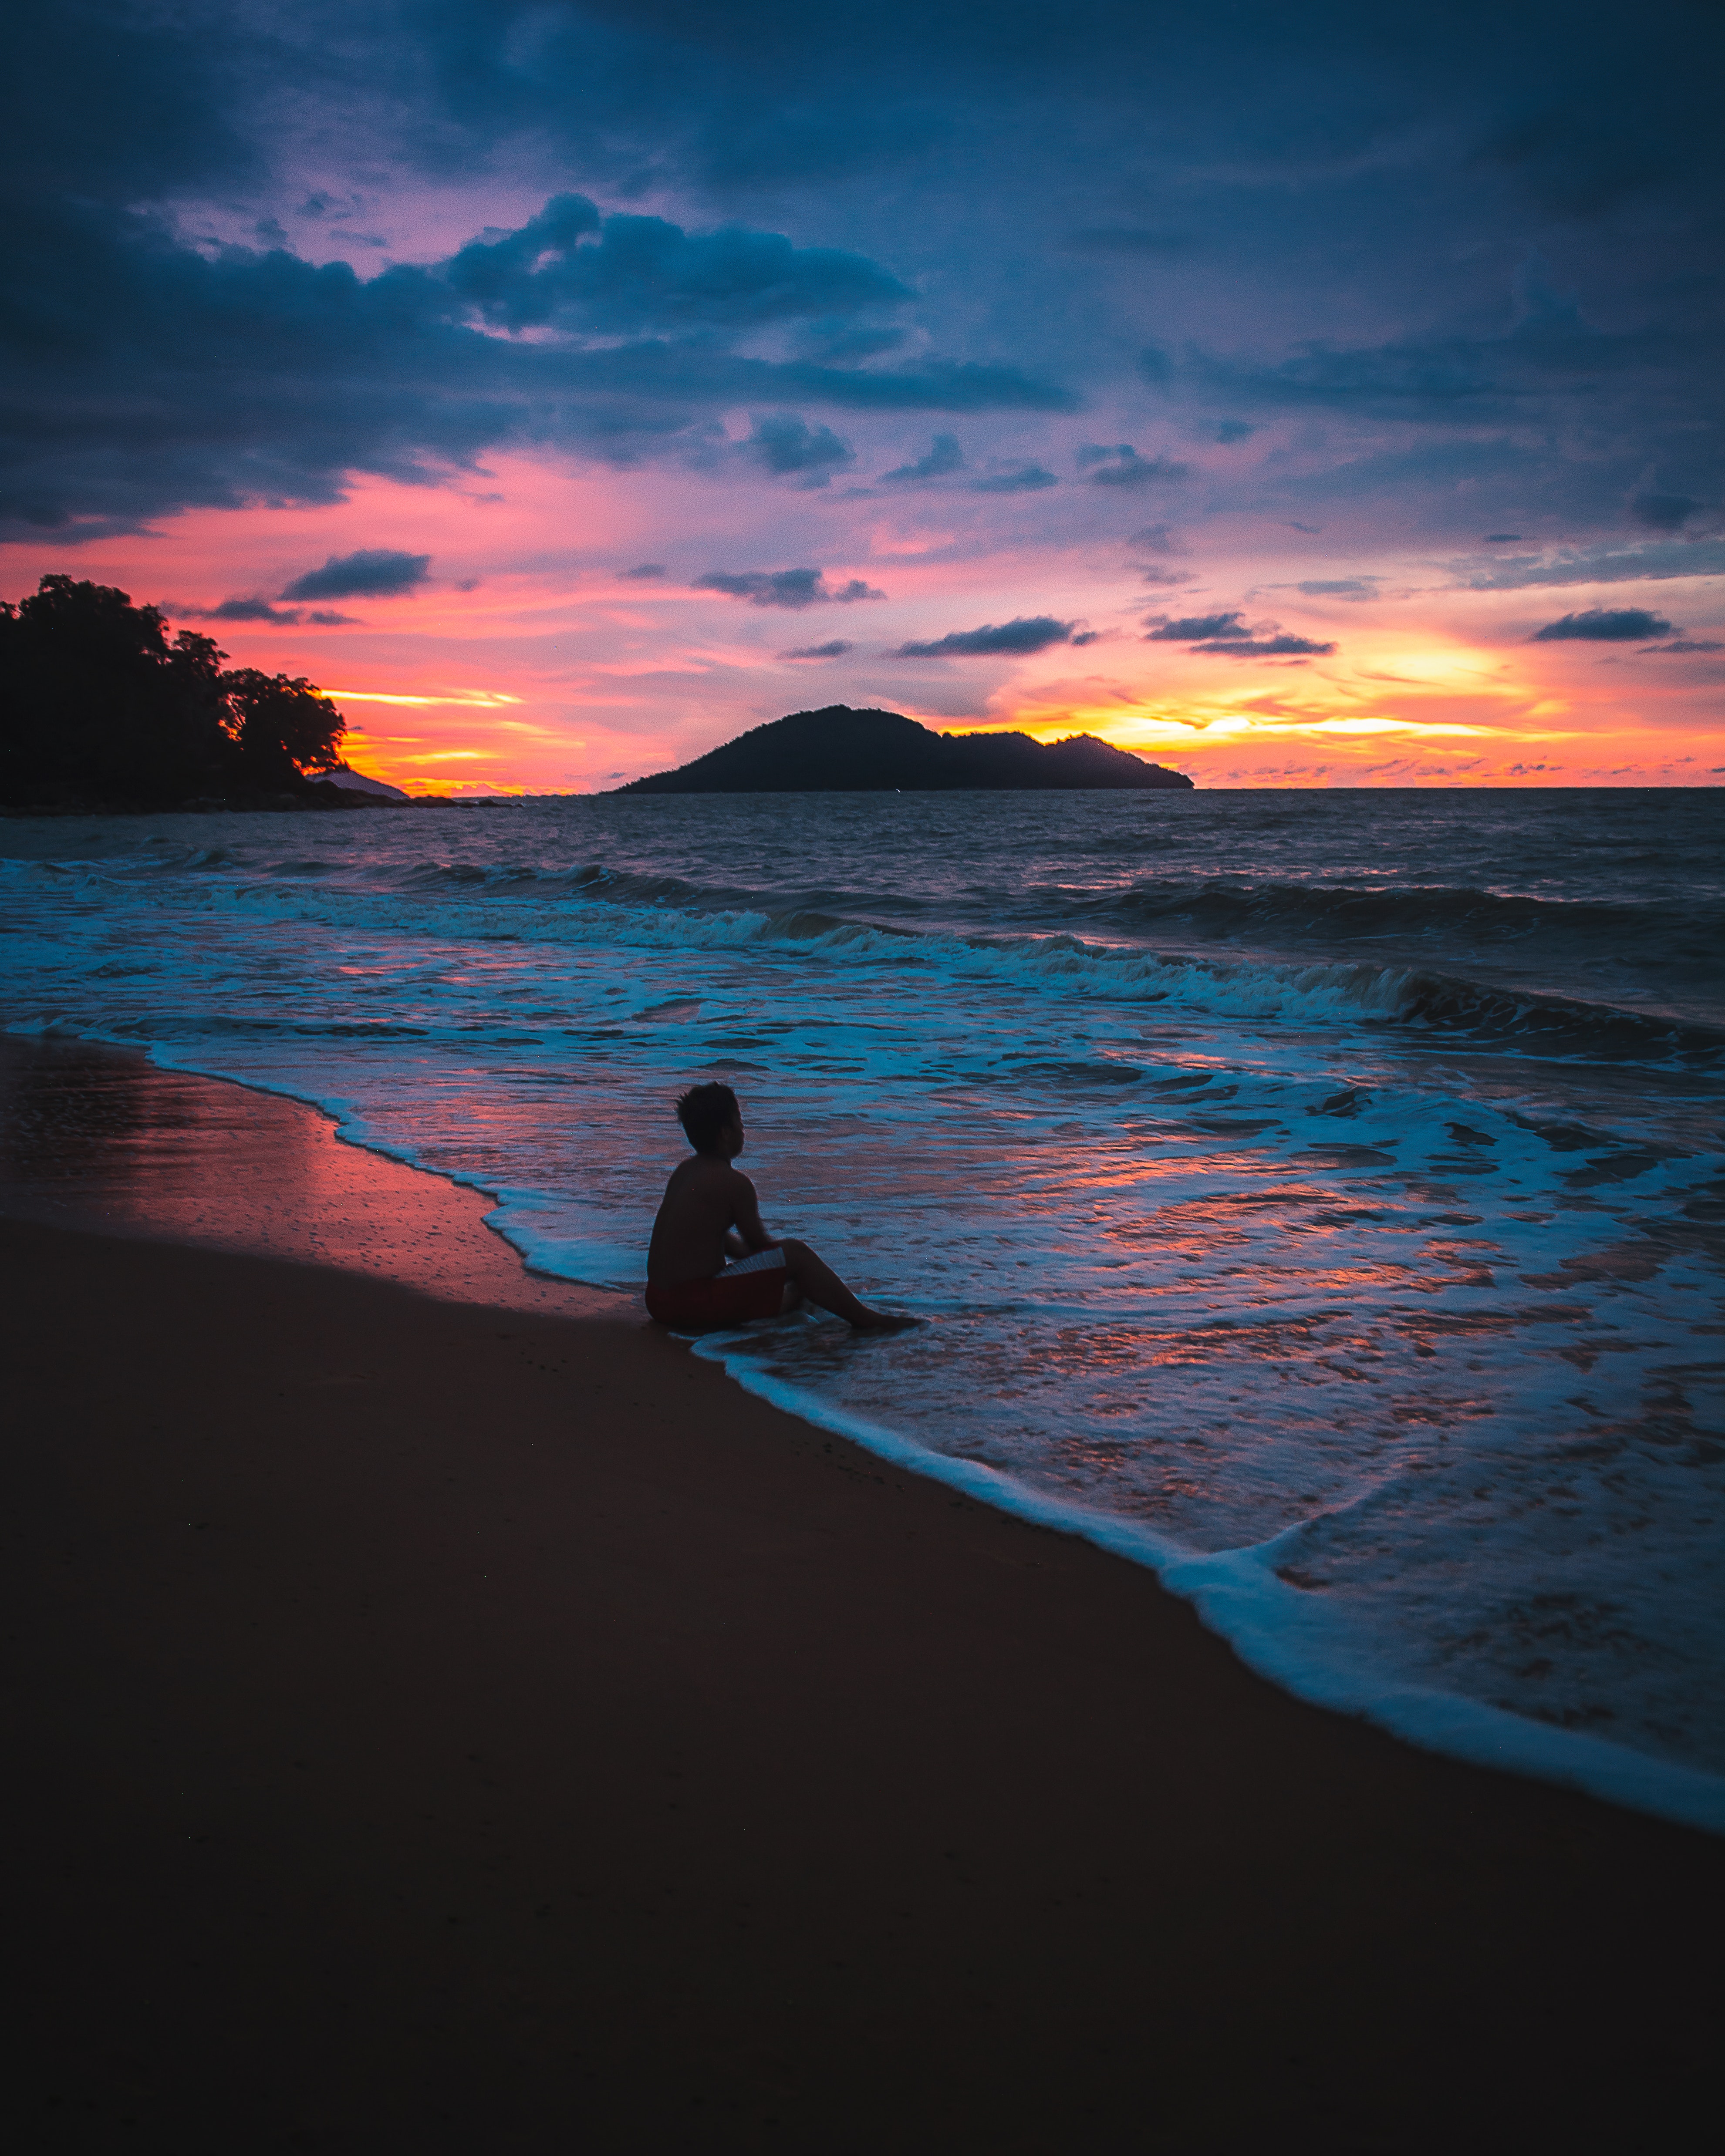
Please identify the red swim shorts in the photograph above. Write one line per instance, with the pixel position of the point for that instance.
(753, 1287)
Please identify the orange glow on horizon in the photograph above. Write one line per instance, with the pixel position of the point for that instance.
(561, 642)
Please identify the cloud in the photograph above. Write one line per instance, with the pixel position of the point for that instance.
(1682, 644)
(1306, 154)
(373, 572)
(643, 570)
(944, 457)
(1266, 647)
(1225, 635)
(146, 376)
(257, 608)
(1158, 539)
(1028, 633)
(1017, 479)
(1233, 430)
(947, 460)
(1602, 565)
(1340, 587)
(835, 649)
(1577, 162)
(1500, 538)
(791, 449)
(1604, 625)
(794, 588)
(244, 609)
(1664, 512)
(1454, 379)
(626, 276)
(1192, 629)
(1121, 465)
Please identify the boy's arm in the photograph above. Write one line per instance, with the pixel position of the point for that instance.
(745, 1212)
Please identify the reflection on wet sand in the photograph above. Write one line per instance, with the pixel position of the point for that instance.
(101, 1138)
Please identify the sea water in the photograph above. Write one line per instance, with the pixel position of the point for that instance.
(1316, 1196)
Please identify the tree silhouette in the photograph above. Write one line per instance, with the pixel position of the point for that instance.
(284, 725)
(98, 705)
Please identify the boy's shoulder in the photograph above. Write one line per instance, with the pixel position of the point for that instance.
(703, 1167)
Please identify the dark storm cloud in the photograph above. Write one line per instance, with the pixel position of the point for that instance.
(783, 92)
(1608, 403)
(1338, 150)
(630, 275)
(1578, 162)
(1604, 625)
(302, 375)
(372, 573)
(1664, 512)
(1440, 379)
(835, 649)
(794, 588)
(1028, 634)
(117, 102)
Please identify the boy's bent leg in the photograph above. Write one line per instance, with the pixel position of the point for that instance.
(820, 1283)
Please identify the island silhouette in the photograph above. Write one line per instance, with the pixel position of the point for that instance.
(837, 750)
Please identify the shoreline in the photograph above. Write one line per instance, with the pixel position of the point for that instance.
(450, 1732)
(1236, 1593)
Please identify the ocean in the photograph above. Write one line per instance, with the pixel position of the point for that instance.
(1314, 1196)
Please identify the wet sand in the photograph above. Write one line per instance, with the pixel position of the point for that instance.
(448, 1716)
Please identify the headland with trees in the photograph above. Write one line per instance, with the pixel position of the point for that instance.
(101, 711)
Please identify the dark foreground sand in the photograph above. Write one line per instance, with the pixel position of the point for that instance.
(443, 1728)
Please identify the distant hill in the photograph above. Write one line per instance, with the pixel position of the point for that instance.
(349, 781)
(840, 751)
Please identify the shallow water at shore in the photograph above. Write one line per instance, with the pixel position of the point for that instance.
(1328, 1185)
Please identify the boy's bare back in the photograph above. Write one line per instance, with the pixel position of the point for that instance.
(705, 1199)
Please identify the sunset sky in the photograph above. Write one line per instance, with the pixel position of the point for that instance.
(1300, 397)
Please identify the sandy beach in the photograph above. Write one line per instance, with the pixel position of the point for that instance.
(449, 1717)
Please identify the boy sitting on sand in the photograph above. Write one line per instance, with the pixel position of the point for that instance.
(710, 1213)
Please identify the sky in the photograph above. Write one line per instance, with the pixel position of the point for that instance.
(1299, 397)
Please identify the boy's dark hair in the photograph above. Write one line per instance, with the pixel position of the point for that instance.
(705, 1110)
